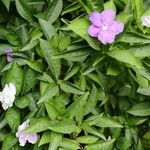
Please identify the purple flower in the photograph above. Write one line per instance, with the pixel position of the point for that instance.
(104, 26)
(8, 53)
(23, 138)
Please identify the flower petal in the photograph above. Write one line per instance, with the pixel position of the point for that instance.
(9, 58)
(12, 88)
(145, 21)
(32, 138)
(1, 97)
(116, 27)
(93, 31)
(106, 37)
(95, 18)
(22, 141)
(108, 16)
(8, 50)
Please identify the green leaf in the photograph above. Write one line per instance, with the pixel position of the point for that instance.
(101, 145)
(96, 5)
(138, 10)
(6, 3)
(147, 135)
(47, 28)
(92, 100)
(11, 36)
(46, 138)
(144, 90)
(72, 71)
(51, 110)
(9, 141)
(101, 79)
(53, 11)
(13, 118)
(101, 121)
(48, 52)
(77, 106)
(133, 38)
(70, 8)
(73, 55)
(70, 88)
(114, 69)
(124, 17)
(50, 92)
(55, 141)
(126, 57)
(80, 27)
(88, 139)
(90, 129)
(66, 126)
(123, 143)
(24, 34)
(22, 102)
(45, 77)
(69, 144)
(140, 51)
(29, 80)
(29, 45)
(15, 75)
(110, 5)
(64, 43)
(141, 109)
(35, 65)
(23, 10)
(36, 126)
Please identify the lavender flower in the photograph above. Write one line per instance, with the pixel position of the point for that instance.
(8, 53)
(104, 26)
(23, 138)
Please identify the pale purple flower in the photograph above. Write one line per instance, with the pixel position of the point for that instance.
(8, 53)
(23, 138)
(104, 26)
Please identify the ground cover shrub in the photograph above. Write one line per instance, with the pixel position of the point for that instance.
(75, 74)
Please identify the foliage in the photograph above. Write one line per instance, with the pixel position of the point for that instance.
(77, 92)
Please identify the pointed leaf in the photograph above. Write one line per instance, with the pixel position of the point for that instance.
(70, 88)
(36, 126)
(23, 10)
(50, 92)
(126, 57)
(47, 28)
(66, 126)
(141, 109)
(53, 11)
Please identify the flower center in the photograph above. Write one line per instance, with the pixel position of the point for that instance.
(104, 26)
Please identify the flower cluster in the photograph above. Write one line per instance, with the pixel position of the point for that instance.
(104, 26)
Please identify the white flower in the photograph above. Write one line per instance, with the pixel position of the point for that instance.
(145, 21)
(23, 138)
(7, 96)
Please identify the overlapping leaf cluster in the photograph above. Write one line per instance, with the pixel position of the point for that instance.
(78, 93)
